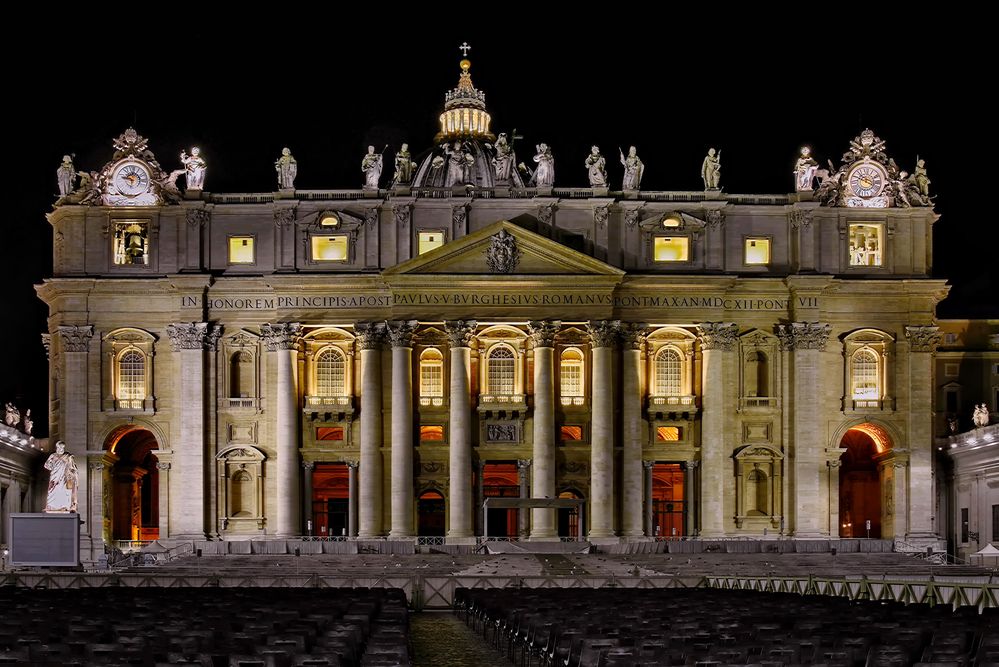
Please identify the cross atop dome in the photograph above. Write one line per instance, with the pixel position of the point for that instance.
(464, 48)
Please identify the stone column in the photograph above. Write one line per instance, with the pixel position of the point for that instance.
(692, 491)
(189, 341)
(479, 497)
(401, 335)
(351, 498)
(523, 469)
(632, 515)
(833, 466)
(74, 342)
(806, 507)
(647, 497)
(543, 474)
(282, 340)
(602, 337)
(460, 522)
(163, 468)
(716, 339)
(369, 507)
(923, 340)
(308, 467)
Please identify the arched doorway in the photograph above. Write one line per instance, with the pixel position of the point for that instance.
(569, 517)
(430, 511)
(331, 500)
(860, 483)
(131, 486)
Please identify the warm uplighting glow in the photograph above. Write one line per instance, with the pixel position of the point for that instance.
(432, 433)
(668, 433)
(329, 248)
(866, 244)
(757, 251)
(430, 240)
(881, 439)
(671, 249)
(241, 250)
(571, 433)
(330, 220)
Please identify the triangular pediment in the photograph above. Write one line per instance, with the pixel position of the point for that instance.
(503, 248)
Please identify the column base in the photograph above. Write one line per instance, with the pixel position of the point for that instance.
(547, 538)
(401, 536)
(543, 535)
(600, 534)
(370, 536)
(603, 540)
(641, 537)
(454, 539)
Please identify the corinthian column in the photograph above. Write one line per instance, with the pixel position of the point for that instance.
(807, 508)
(923, 340)
(401, 335)
(602, 337)
(189, 341)
(460, 335)
(74, 341)
(633, 336)
(543, 478)
(716, 338)
(369, 509)
(282, 340)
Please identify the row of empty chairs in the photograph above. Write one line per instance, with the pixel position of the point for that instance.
(646, 627)
(211, 627)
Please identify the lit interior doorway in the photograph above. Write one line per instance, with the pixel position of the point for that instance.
(501, 480)
(132, 486)
(860, 481)
(430, 509)
(330, 500)
(668, 508)
(568, 517)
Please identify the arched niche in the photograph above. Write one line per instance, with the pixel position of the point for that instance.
(241, 489)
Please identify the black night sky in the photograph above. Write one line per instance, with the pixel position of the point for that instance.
(328, 91)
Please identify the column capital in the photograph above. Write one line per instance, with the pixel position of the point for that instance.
(524, 464)
(834, 464)
(351, 464)
(648, 464)
(717, 335)
(193, 335)
(47, 343)
(603, 333)
(922, 338)
(163, 465)
(542, 332)
(281, 336)
(308, 465)
(369, 334)
(803, 335)
(460, 332)
(96, 465)
(75, 338)
(633, 335)
(400, 332)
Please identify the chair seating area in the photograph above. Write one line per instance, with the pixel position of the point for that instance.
(212, 627)
(645, 628)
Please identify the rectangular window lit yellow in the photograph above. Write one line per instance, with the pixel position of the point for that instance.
(430, 240)
(241, 250)
(329, 248)
(757, 251)
(671, 249)
(866, 244)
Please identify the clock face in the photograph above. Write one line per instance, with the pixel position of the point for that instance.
(867, 180)
(131, 179)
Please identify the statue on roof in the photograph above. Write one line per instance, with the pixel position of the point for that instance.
(503, 160)
(633, 169)
(287, 169)
(596, 168)
(544, 175)
(194, 168)
(12, 416)
(711, 170)
(371, 165)
(404, 167)
(66, 173)
(922, 180)
(460, 162)
(804, 170)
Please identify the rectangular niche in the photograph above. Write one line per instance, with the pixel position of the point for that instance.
(503, 432)
(245, 432)
(757, 432)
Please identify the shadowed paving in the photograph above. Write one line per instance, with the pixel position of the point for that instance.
(440, 638)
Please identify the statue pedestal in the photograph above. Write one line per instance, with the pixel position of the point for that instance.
(192, 193)
(544, 192)
(713, 194)
(602, 192)
(40, 539)
(402, 190)
(630, 194)
(807, 195)
(371, 194)
(285, 193)
(503, 192)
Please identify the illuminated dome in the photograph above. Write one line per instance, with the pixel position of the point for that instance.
(465, 114)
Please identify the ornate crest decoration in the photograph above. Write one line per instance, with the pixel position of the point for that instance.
(502, 255)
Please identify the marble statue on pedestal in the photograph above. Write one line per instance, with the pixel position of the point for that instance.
(287, 169)
(63, 480)
(922, 180)
(711, 170)
(804, 170)
(633, 169)
(596, 168)
(404, 166)
(12, 416)
(503, 160)
(371, 165)
(981, 415)
(194, 169)
(544, 175)
(460, 162)
(66, 173)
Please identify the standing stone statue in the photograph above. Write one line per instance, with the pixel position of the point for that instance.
(503, 160)
(633, 169)
(66, 173)
(194, 169)
(12, 416)
(404, 166)
(596, 168)
(711, 170)
(287, 169)
(804, 170)
(371, 165)
(544, 176)
(29, 423)
(460, 161)
(922, 180)
(981, 415)
(64, 479)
